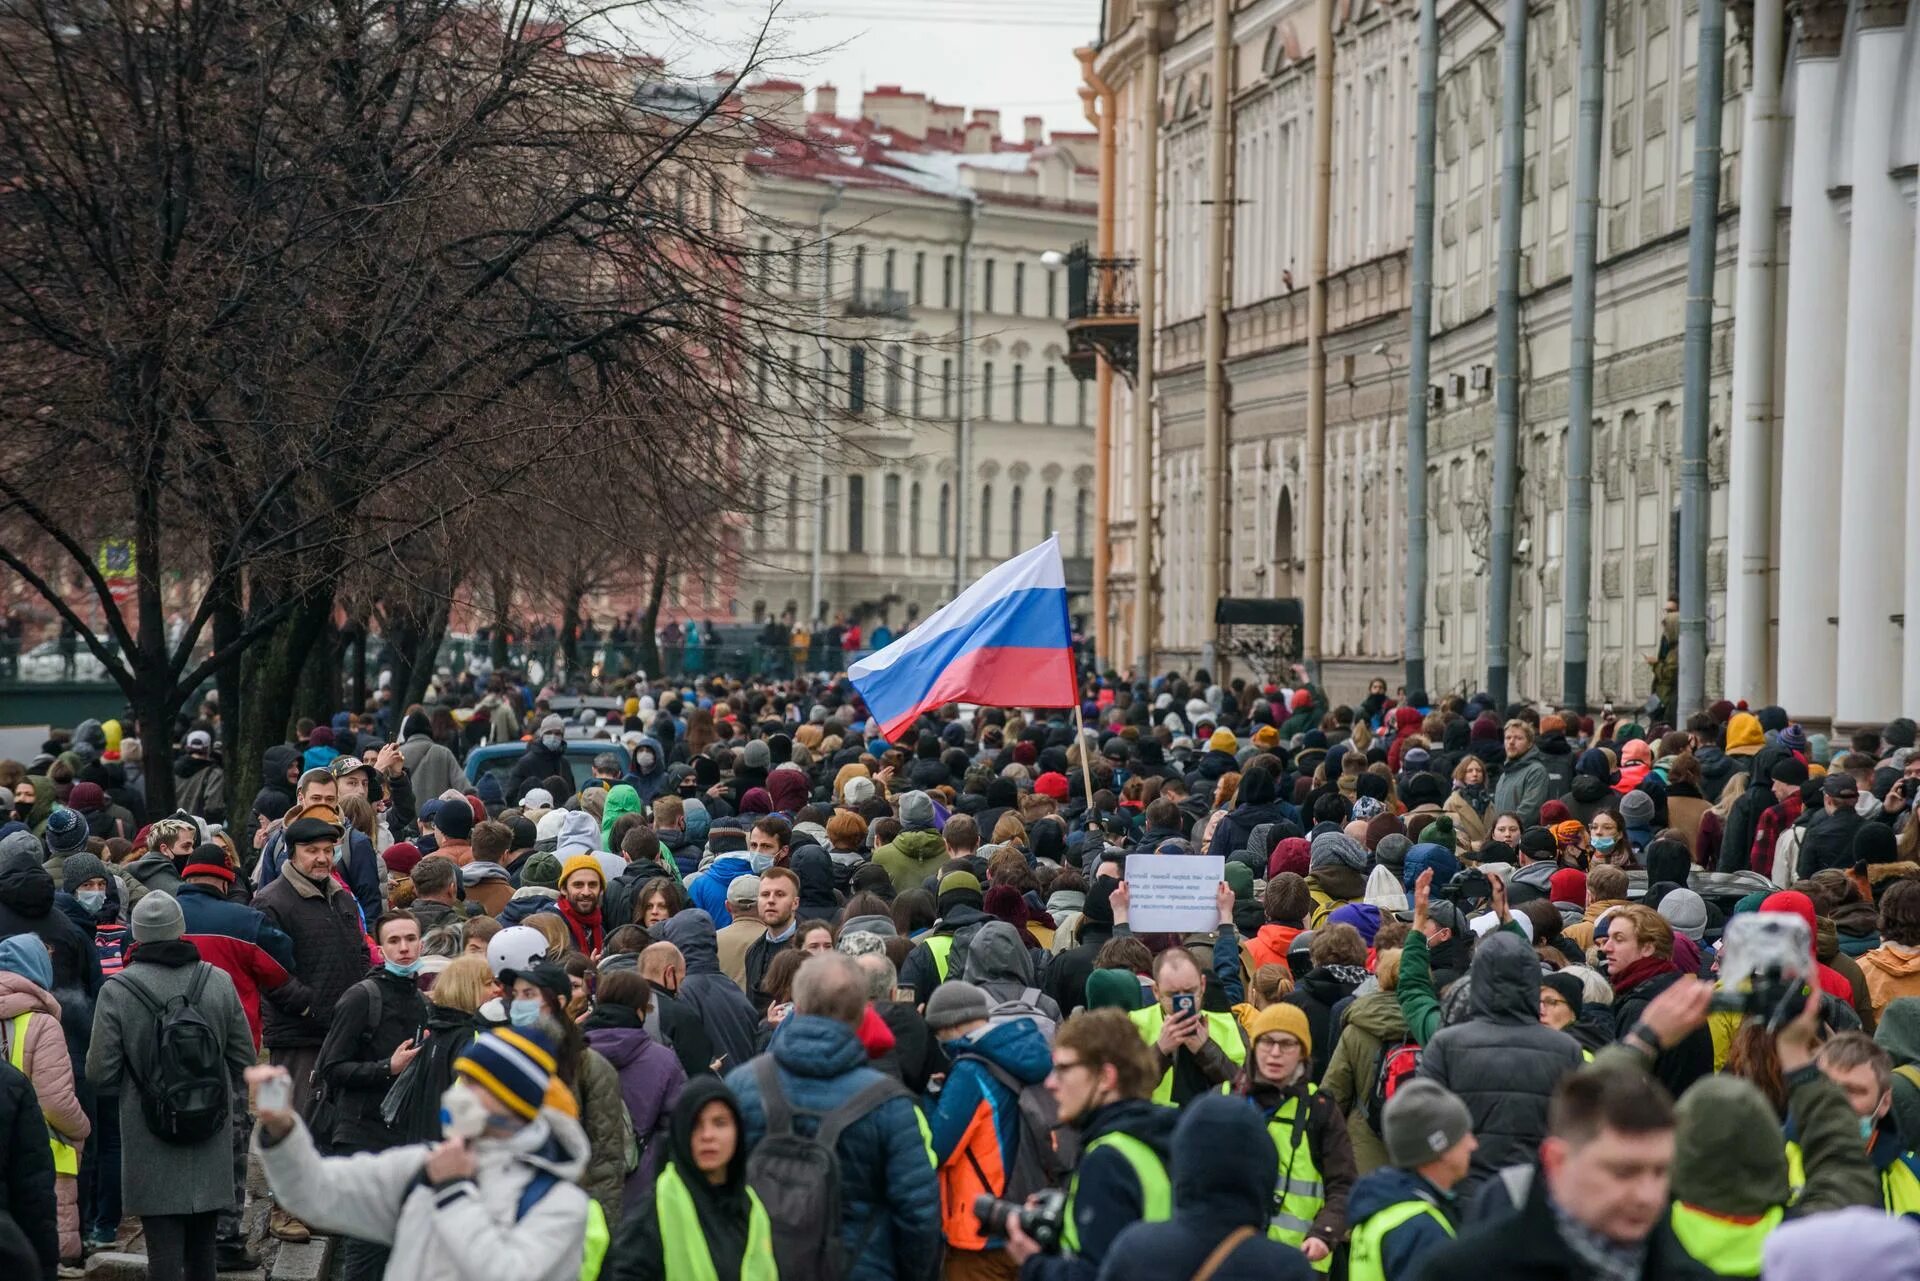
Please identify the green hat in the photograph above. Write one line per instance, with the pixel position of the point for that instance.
(1114, 989)
(542, 869)
(959, 881)
(1240, 877)
(1440, 832)
(1727, 1156)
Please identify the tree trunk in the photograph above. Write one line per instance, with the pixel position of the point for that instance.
(318, 692)
(226, 626)
(358, 701)
(269, 682)
(570, 631)
(502, 608)
(154, 709)
(426, 657)
(650, 618)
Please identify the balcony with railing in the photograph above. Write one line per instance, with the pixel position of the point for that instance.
(1103, 313)
(879, 304)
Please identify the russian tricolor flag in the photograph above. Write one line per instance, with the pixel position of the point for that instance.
(1005, 642)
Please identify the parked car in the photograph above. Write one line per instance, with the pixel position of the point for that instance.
(499, 759)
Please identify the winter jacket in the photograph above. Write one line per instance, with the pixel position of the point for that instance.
(1001, 964)
(1556, 757)
(1223, 1176)
(1685, 1063)
(708, 890)
(651, 1079)
(1469, 825)
(355, 1060)
(733, 941)
(160, 1177)
(255, 953)
(1067, 975)
(431, 767)
(1523, 787)
(360, 870)
(1743, 817)
(1891, 971)
(27, 1197)
(329, 956)
(27, 907)
(1502, 1062)
(1325, 1131)
(1106, 1195)
(890, 1204)
(1318, 991)
(728, 1016)
(45, 1060)
(1898, 1033)
(1828, 842)
(1402, 1248)
(603, 1116)
(1234, 831)
(975, 1122)
(911, 857)
(646, 786)
(1373, 1025)
(922, 970)
(535, 766)
(462, 1230)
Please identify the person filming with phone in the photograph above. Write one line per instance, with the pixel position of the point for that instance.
(498, 1196)
(1199, 1050)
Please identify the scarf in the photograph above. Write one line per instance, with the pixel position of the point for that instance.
(303, 885)
(586, 930)
(1606, 1258)
(608, 1015)
(1475, 795)
(1647, 967)
(174, 954)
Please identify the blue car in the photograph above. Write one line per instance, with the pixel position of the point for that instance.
(498, 759)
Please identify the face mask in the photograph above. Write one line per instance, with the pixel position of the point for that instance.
(759, 862)
(644, 758)
(406, 971)
(1605, 843)
(552, 742)
(1866, 1127)
(92, 900)
(462, 1116)
(525, 1011)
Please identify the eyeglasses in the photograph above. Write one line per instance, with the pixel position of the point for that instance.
(1554, 1000)
(1063, 1068)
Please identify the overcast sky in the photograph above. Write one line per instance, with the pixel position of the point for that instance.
(1016, 55)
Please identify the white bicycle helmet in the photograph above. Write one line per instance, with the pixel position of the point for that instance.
(515, 948)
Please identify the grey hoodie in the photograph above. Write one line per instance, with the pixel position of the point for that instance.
(999, 964)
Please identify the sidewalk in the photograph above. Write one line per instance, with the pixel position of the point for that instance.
(279, 1260)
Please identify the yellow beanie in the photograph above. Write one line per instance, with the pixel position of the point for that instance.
(583, 863)
(1223, 741)
(1282, 1017)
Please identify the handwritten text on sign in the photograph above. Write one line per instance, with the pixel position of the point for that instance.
(1173, 893)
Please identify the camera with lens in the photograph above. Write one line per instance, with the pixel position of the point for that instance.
(1042, 1218)
(1766, 967)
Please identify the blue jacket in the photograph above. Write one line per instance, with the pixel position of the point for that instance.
(1413, 1240)
(889, 1198)
(1223, 1164)
(1016, 1048)
(709, 889)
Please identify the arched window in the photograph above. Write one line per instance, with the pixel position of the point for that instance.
(1080, 504)
(986, 520)
(793, 511)
(913, 519)
(1013, 521)
(946, 518)
(1046, 513)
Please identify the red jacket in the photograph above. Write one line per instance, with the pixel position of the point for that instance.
(239, 941)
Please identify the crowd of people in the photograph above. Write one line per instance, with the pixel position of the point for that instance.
(1489, 992)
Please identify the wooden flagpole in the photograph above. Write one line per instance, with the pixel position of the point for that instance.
(1086, 759)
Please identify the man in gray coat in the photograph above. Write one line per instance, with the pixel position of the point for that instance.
(1524, 784)
(176, 1190)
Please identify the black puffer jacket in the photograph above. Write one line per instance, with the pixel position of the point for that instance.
(26, 1171)
(330, 955)
(27, 907)
(1503, 1062)
(356, 1060)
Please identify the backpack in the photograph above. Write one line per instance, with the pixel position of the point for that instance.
(1024, 1006)
(184, 1091)
(797, 1176)
(1044, 1152)
(1397, 1065)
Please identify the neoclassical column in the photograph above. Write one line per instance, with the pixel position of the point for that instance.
(1873, 479)
(1815, 387)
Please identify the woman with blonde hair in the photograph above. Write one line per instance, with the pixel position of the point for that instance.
(848, 772)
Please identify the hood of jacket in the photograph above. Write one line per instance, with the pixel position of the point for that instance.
(155, 871)
(27, 888)
(917, 847)
(1339, 882)
(553, 1142)
(1386, 1186)
(21, 995)
(1378, 1015)
(814, 867)
(1898, 1032)
(1061, 901)
(691, 930)
(1017, 1047)
(1506, 980)
(1539, 875)
(274, 763)
(1152, 1124)
(1223, 1164)
(996, 953)
(620, 1046)
(1893, 962)
(814, 1045)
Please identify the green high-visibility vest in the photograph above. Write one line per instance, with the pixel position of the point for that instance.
(683, 1242)
(1156, 1190)
(1365, 1258)
(1899, 1184)
(1725, 1248)
(1299, 1191)
(66, 1157)
(1222, 1029)
(941, 946)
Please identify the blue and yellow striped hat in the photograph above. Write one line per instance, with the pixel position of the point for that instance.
(514, 1065)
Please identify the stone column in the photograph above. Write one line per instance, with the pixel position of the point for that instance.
(1910, 634)
(1873, 479)
(1816, 354)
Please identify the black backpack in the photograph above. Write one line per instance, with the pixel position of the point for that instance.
(1045, 1151)
(797, 1176)
(184, 1092)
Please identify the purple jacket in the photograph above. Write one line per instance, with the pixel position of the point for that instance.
(651, 1079)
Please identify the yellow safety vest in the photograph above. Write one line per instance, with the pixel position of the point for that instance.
(1365, 1260)
(1723, 1247)
(941, 947)
(1899, 1184)
(1222, 1029)
(66, 1157)
(1299, 1191)
(683, 1242)
(1156, 1190)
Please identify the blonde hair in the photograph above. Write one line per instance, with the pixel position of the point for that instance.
(1386, 968)
(553, 929)
(1009, 828)
(359, 815)
(464, 985)
(848, 772)
(1271, 983)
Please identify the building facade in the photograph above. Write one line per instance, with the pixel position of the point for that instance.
(880, 229)
(1851, 122)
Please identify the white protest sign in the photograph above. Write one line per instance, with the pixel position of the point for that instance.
(1173, 893)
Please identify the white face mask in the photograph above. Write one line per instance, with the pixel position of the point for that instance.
(552, 742)
(644, 758)
(462, 1116)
